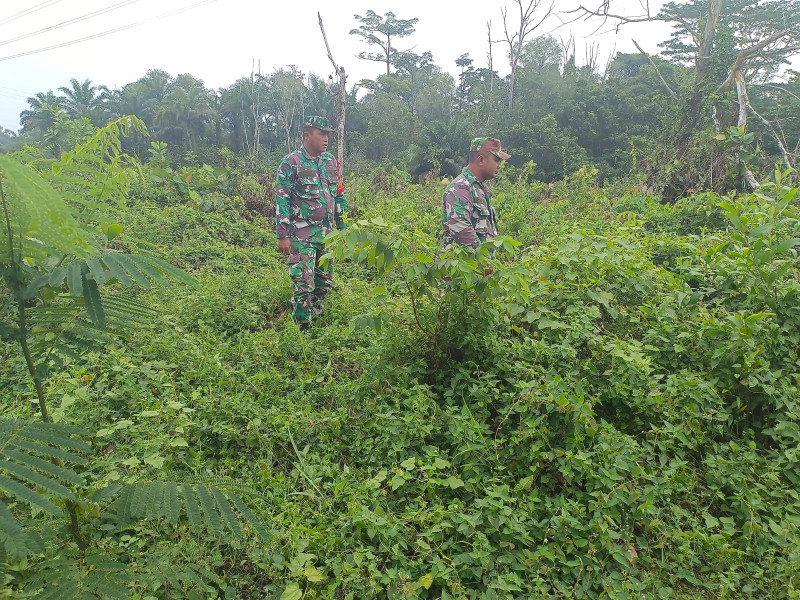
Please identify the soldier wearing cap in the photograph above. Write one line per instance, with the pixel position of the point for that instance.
(468, 216)
(310, 202)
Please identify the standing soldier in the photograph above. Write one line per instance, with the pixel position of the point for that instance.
(310, 200)
(468, 215)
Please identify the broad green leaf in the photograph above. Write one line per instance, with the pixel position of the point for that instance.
(292, 592)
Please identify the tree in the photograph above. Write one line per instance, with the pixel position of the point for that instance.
(515, 38)
(242, 110)
(185, 111)
(286, 104)
(441, 148)
(7, 136)
(389, 126)
(41, 114)
(381, 31)
(341, 95)
(729, 43)
(464, 84)
(82, 100)
(541, 54)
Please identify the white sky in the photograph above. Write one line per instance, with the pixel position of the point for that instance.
(218, 40)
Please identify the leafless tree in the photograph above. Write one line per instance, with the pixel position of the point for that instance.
(515, 38)
(567, 51)
(341, 95)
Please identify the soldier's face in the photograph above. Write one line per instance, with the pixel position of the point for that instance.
(316, 141)
(491, 165)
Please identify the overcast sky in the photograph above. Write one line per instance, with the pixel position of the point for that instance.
(217, 40)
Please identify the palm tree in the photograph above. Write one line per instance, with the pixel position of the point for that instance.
(41, 114)
(134, 99)
(82, 99)
(238, 106)
(185, 111)
(442, 148)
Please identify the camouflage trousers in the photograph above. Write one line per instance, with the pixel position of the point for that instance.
(311, 282)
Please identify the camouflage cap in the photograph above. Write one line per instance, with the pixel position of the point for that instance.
(318, 122)
(489, 145)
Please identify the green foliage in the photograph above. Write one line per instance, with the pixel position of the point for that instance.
(620, 420)
(31, 472)
(446, 289)
(40, 221)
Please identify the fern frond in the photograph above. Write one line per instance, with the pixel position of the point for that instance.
(192, 508)
(224, 506)
(93, 302)
(14, 539)
(125, 262)
(68, 577)
(75, 279)
(20, 492)
(171, 503)
(41, 220)
(123, 505)
(155, 500)
(96, 270)
(56, 434)
(210, 511)
(36, 479)
(117, 270)
(180, 576)
(49, 452)
(128, 269)
(105, 494)
(207, 508)
(32, 467)
(251, 519)
(127, 308)
(56, 471)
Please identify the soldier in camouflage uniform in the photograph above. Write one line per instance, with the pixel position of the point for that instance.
(468, 216)
(310, 201)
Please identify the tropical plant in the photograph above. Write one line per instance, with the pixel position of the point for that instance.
(55, 257)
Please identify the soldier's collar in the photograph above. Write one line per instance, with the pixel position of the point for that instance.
(305, 153)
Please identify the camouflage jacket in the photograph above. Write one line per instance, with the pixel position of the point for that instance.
(310, 197)
(468, 216)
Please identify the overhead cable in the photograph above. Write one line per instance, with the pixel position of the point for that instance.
(77, 19)
(110, 31)
(28, 11)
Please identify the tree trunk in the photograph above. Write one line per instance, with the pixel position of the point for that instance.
(744, 104)
(341, 96)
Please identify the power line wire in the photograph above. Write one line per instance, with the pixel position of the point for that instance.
(110, 31)
(28, 11)
(11, 89)
(77, 19)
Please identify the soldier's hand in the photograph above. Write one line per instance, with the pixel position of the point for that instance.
(285, 245)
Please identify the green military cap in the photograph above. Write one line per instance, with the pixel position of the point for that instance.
(318, 122)
(489, 145)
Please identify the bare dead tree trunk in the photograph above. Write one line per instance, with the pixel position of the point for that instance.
(787, 159)
(256, 104)
(567, 51)
(656, 69)
(592, 57)
(516, 40)
(341, 96)
(744, 103)
(609, 61)
(491, 71)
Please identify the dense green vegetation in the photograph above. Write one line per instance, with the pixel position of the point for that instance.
(601, 403)
(613, 413)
